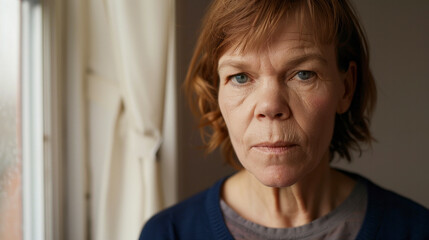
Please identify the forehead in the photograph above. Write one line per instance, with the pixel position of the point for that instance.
(295, 26)
(293, 39)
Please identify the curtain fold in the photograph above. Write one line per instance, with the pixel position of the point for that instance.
(130, 188)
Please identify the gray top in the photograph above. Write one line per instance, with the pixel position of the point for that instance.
(343, 222)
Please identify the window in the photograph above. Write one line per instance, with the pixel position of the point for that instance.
(10, 162)
(30, 140)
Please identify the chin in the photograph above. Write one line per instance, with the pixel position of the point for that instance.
(278, 177)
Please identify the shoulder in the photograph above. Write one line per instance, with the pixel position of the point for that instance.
(399, 210)
(395, 204)
(392, 215)
(168, 223)
(188, 219)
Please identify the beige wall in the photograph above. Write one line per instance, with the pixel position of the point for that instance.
(398, 38)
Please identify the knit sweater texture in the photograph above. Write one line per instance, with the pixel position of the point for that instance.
(388, 216)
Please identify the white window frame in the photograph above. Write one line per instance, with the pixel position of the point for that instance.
(32, 121)
(41, 82)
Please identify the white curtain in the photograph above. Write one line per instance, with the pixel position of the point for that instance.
(130, 188)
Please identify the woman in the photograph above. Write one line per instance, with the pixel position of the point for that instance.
(284, 87)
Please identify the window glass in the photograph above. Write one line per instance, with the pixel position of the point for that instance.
(10, 164)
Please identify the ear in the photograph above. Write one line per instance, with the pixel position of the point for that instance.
(349, 81)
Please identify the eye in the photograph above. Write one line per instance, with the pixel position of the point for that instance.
(240, 78)
(305, 75)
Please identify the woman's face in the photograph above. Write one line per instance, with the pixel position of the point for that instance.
(279, 104)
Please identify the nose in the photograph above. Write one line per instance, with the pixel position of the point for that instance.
(272, 103)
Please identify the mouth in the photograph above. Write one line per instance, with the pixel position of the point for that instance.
(278, 147)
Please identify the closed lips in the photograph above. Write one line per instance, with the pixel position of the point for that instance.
(275, 144)
(277, 147)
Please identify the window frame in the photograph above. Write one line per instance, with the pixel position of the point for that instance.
(42, 44)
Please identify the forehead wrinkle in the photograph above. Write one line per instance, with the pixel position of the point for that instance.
(289, 56)
(238, 61)
(293, 44)
(295, 55)
(293, 36)
(244, 64)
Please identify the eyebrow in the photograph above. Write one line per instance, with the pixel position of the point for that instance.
(242, 64)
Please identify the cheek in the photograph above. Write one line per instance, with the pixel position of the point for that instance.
(236, 114)
(234, 106)
(322, 110)
(230, 110)
(226, 109)
(317, 120)
(321, 103)
(324, 97)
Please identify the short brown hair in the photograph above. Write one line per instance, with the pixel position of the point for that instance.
(248, 24)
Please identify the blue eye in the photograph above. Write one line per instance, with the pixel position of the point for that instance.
(240, 78)
(305, 75)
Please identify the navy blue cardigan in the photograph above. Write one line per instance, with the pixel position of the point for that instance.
(388, 216)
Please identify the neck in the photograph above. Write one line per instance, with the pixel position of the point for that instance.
(314, 196)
